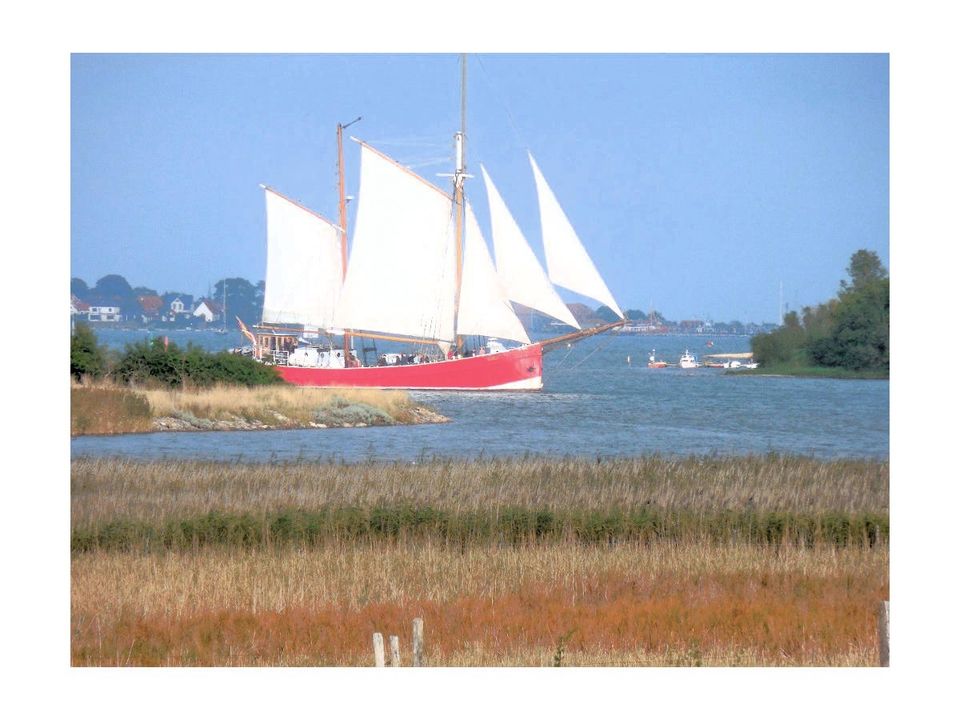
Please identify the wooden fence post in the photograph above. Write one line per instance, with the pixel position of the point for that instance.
(883, 630)
(418, 642)
(378, 649)
(394, 651)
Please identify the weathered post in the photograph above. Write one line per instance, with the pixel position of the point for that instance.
(394, 651)
(883, 630)
(378, 649)
(418, 642)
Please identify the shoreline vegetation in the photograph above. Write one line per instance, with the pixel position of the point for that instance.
(812, 371)
(847, 337)
(756, 560)
(104, 408)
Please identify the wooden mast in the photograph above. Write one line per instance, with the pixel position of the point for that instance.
(347, 357)
(458, 200)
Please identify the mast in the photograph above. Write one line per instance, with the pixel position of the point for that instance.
(343, 226)
(458, 197)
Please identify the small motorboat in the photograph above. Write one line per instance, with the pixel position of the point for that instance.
(653, 362)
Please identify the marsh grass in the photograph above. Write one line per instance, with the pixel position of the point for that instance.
(104, 408)
(666, 604)
(636, 561)
(537, 491)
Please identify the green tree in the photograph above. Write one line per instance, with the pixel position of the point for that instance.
(783, 345)
(87, 358)
(860, 337)
(79, 288)
(243, 299)
(864, 269)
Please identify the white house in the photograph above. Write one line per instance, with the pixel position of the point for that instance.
(209, 310)
(104, 313)
(78, 306)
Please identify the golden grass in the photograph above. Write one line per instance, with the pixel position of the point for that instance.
(106, 408)
(109, 489)
(681, 604)
(297, 403)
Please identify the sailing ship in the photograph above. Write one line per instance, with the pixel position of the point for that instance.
(419, 273)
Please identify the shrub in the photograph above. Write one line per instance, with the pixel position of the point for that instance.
(154, 363)
(87, 358)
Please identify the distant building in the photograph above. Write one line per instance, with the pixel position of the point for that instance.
(209, 310)
(78, 306)
(104, 313)
(178, 306)
(150, 306)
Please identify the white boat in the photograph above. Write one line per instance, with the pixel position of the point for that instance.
(688, 361)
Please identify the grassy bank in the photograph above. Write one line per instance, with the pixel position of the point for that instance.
(813, 371)
(638, 561)
(105, 408)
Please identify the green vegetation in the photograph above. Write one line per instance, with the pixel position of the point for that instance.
(160, 364)
(153, 362)
(848, 336)
(513, 526)
(87, 358)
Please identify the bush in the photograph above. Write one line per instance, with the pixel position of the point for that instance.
(87, 358)
(153, 363)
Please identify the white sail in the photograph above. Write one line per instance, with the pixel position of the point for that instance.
(484, 306)
(523, 279)
(401, 277)
(304, 265)
(568, 263)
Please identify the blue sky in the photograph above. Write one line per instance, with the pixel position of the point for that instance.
(697, 182)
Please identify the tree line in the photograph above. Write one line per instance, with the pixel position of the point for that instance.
(850, 331)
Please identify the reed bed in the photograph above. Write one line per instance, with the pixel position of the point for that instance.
(636, 561)
(685, 604)
(106, 490)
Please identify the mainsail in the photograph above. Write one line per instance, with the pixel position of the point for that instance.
(568, 263)
(303, 265)
(401, 276)
(523, 279)
(484, 306)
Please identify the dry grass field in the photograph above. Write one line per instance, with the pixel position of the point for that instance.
(106, 408)
(677, 596)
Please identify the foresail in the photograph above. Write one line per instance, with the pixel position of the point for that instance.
(401, 276)
(518, 268)
(568, 263)
(484, 306)
(304, 266)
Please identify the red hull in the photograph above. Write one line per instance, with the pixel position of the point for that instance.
(518, 369)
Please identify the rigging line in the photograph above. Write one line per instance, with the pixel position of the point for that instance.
(503, 103)
(589, 354)
(413, 142)
(564, 358)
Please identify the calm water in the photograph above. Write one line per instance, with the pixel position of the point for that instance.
(593, 403)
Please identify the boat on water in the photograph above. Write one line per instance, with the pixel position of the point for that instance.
(418, 273)
(652, 362)
(688, 361)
